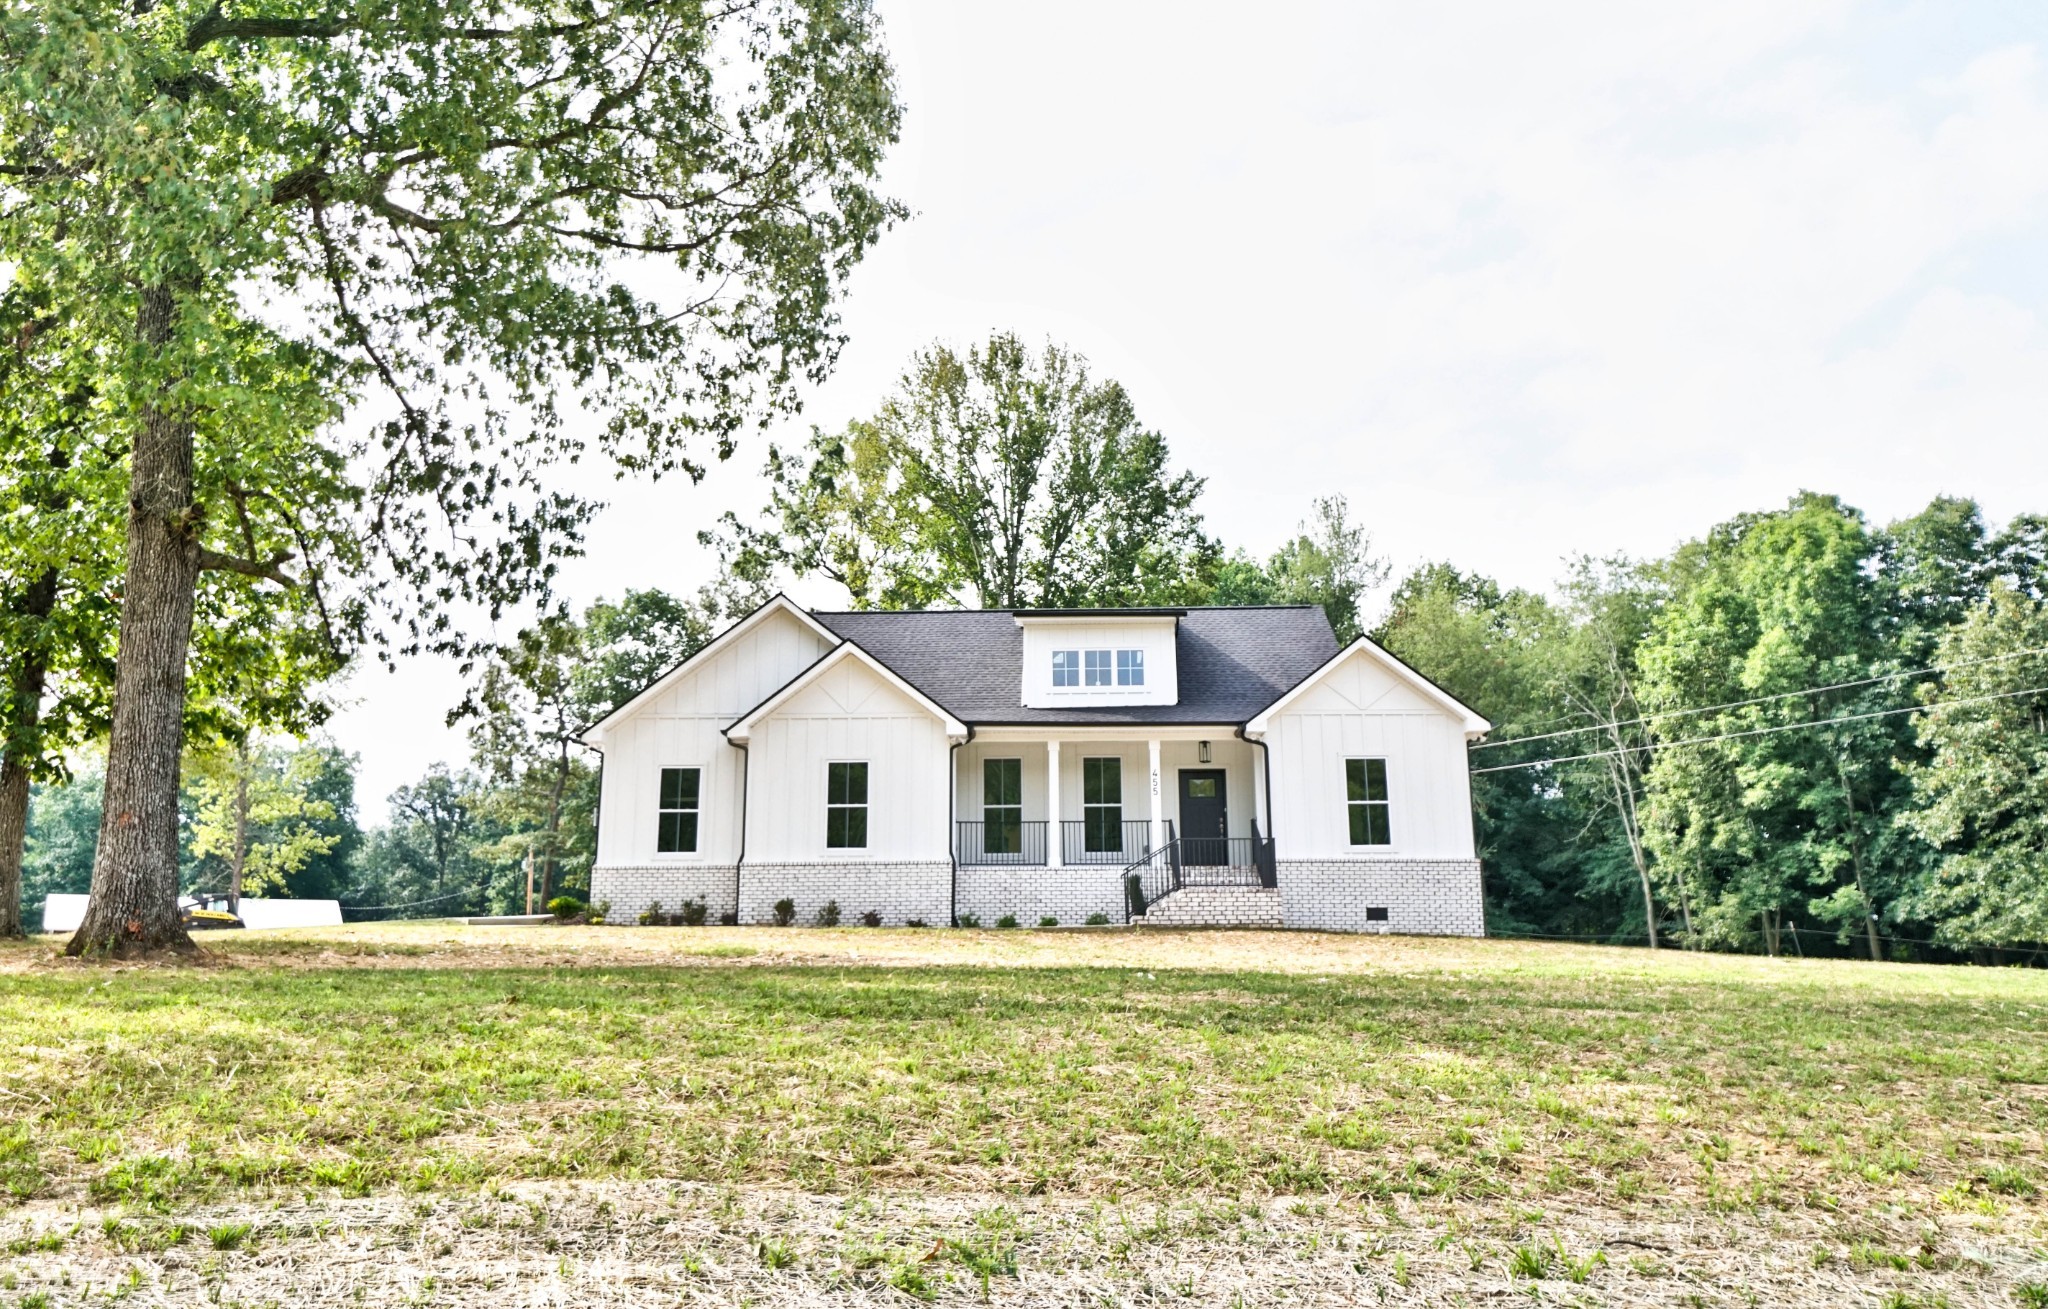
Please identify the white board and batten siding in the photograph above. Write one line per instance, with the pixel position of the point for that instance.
(683, 726)
(1153, 635)
(1361, 708)
(849, 713)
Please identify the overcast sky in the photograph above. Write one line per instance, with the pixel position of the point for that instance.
(1521, 281)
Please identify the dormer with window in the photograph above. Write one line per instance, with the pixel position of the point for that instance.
(1096, 657)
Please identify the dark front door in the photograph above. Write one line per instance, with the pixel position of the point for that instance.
(1204, 824)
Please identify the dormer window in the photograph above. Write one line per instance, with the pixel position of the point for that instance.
(1097, 658)
(1066, 668)
(1097, 667)
(1130, 668)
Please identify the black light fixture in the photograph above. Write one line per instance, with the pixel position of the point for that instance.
(1202, 751)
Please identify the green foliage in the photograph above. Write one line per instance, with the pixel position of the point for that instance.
(1982, 788)
(828, 915)
(259, 802)
(1328, 562)
(999, 478)
(1007, 921)
(565, 906)
(785, 912)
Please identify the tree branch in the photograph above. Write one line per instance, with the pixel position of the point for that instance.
(270, 569)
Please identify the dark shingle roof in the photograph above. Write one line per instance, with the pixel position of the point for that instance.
(1233, 662)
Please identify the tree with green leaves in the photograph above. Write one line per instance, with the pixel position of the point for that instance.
(455, 200)
(1777, 817)
(997, 478)
(538, 692)
(1981, 793)
(1327, 562)
(258, 815)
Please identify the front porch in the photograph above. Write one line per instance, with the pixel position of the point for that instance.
(1187, 801)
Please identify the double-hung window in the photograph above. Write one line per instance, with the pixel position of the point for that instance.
(1102, 804)
(1130, 668)
(846, 806)
(1365, 797)
(1002, 806)
(1066, 668)
(1096, 670)
(676, 831)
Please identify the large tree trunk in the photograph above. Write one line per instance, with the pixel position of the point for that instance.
(17, 745)
(134, 905)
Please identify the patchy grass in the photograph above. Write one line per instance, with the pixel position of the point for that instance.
(1512, 1071)
(1484, 1089)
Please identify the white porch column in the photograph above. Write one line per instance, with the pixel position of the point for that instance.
(1158, 809)
(1052, 804)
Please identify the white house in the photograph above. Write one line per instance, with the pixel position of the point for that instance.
(1230, 766)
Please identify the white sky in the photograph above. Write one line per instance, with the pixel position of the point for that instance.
(1521, 281)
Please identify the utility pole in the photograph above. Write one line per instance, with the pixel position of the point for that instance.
(529, 881)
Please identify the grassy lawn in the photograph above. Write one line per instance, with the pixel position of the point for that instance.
(1453, 1082)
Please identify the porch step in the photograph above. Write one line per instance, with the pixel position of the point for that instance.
(1215, 906)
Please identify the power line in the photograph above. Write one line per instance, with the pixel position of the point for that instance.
(1760, 731)
(1762, 699)
(372, 908)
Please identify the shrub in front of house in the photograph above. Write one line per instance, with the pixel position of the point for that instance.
(785, 912)
(968, 920)
(829, 915)
(651, 915)
(1098, 920)
(871, 919)
(1007, 921)
(1048, 921)
(915, 922)
(730, 918)
(565, 906)
(597, 913)
(693, 913)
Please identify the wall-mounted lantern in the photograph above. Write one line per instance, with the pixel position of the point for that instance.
(1202, 751)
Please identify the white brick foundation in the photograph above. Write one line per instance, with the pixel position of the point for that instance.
(1216, 906)
(1427, 897)
(898, 891)
(631, 890)
(1032, 893)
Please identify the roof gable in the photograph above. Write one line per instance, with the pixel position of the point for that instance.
(816, 676)
(777, 605)
(1365, 698)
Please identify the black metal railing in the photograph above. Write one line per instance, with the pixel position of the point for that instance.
(1198, 861)
(1002, 842)
(1152, 878)
(1097, 842)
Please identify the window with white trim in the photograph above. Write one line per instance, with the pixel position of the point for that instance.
(846, 805)
(676, 825)
(1130, 668)
(1102, 804)
(1002, 806)
(1365, 799)
(1096, 670)
(1066, 668)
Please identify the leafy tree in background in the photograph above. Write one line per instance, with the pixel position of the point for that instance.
(64, 821)
(998, 479)
(440, 196)
(259, 815)
(1328, 562)
(1981, 795)
(538, 692)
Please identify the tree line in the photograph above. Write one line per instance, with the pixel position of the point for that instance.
(1798, 733)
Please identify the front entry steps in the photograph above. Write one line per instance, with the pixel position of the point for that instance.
(1214, 906)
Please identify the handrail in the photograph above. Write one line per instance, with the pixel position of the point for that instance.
(978, 842)
(1198, 861)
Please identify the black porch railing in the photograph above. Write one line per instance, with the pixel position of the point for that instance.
(1198, 861)
(1093, 841)
(1014, 842)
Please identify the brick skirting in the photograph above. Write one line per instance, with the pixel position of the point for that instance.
(631, 890)
(897, 891)
(1427, 897)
